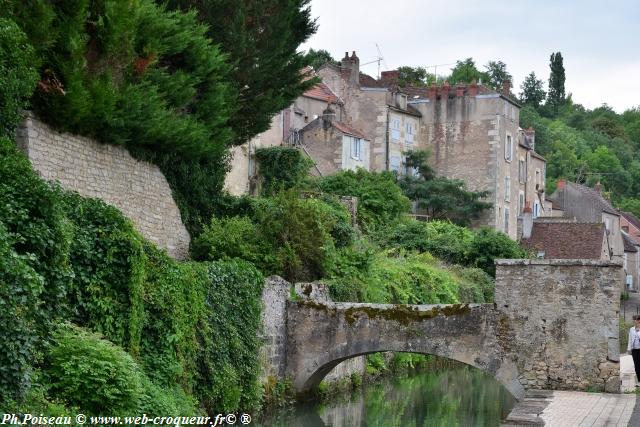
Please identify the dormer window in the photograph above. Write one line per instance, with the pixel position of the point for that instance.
(401, 101)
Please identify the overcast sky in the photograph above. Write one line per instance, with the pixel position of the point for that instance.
(599, 40)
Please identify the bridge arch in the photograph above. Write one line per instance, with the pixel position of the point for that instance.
(331, 333)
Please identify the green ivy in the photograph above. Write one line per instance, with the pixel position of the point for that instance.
(282, 168)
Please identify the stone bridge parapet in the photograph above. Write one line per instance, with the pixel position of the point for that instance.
(554, 325)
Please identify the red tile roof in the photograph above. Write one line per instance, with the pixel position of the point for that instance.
(631, 218)
(567, 240)
(629, 243)
(322, 92)
(345, 128)
(366, 80)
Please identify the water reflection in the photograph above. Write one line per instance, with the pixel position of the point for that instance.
(460, 396)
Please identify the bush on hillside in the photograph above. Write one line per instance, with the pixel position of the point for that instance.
(380, 200)
(35, 274)
(282, 168)
(489, 245)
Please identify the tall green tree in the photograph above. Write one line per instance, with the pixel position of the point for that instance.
(261, 39)
(318, 58)
(415, 76)
(465, 72)
(532, 91)
(556, 96)
(441, 197)
(498, 74)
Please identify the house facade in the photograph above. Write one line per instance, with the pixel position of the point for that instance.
(586, 204)
(285, 129)
(471, 131)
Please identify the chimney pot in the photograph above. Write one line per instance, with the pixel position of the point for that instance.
(598, 187)
(431, 92)
(561, 184)
(473, 89)
(506, 87)
(445, 90)
(527, 221)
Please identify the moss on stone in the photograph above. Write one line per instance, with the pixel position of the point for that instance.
(404, 314)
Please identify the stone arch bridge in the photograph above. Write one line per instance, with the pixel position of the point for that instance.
(554, 325)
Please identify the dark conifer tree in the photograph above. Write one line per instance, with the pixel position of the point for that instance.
(262, 40)
(556, 95)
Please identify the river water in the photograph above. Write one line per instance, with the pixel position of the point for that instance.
(456, 396)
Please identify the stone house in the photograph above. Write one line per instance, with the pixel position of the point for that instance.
(379, 109)
(564, 238)
(334, 145)
(285, 130)
(586, 204)
(472, 132)
(630, 224)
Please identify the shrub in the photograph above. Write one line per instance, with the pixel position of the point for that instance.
(380, 200)
(235, 237)
(93, 374)
(18, 75)
(489, 245)
(282, 168)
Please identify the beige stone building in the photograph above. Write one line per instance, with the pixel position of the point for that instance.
(471, 131)
(285, 129)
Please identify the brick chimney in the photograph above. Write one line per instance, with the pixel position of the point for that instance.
(351, 68)
(506, 87)
(473, 89)
(527, 221)
(432, 92)
(530, 138)
(389, 78)
(445, 90)
(460, 90)
(561, 184)
(328, 116)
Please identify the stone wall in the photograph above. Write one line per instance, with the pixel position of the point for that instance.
(562, 321)
(109, 173)
(273, 353)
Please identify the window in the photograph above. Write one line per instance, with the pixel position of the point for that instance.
(409, 136)
(506, 220)
(395, 163)
(508, 148)
(536, 209)
(607, 225)
(522, 171)
(537, 181)
(356, 148)
(521, 203)
(507, 188)
(395, 129)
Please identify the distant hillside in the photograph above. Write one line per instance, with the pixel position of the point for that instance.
(589, 145)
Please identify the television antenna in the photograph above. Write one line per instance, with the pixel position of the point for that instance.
(379, 59)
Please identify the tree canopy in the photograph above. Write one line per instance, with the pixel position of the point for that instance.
(442, 198)
(261, 40)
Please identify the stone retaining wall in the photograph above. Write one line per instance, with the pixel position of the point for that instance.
(562, 321)
(109, 173)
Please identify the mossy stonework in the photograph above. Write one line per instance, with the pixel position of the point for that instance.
(553, 326)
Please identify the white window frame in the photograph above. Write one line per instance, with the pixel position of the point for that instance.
(408, 137)
(536, 209)
(356, 148)
(395, 129)
(538, 181)
(391, 164)
(508, 147)
(522, 170)
(520, 202)
(507, 188)
(506, 218)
